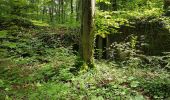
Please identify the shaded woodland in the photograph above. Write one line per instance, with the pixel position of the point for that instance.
(84, 49)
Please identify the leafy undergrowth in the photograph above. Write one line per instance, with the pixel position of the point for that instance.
(29, 78)
(34, 66)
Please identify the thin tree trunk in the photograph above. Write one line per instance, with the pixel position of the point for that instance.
(62, 11)
(43, 13)
(78, 10)
(71, 6)
(59, 12)
(51, 13)
(100, 47)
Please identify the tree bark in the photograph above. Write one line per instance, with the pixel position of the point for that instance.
(87, 32)
(78, 10)
(72, 9)
(62, 11)
(71, 6)
(59, 12)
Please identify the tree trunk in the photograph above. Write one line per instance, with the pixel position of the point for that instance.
(62, 11)
(71, 6)
(44, 13)
(78, 10)
(51, 13)
(99, 46)
(59, 12)
(87, 33)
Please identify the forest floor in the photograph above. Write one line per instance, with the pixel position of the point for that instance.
(34, 66)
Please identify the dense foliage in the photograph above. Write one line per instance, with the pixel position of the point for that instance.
(40, 58)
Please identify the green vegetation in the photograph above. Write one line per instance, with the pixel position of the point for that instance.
(47, 50)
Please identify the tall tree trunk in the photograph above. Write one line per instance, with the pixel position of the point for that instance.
(78, 10)
(59, 12)
(99, 45)
(55, 13)
(87, 33)
(51, 14)
(62, 11)
(71, 6)
(43, 13)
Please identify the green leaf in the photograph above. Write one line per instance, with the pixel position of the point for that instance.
(10, 44)
(1, 83)
(134, 84)
(131, 78)
(3, 34)
(139, 97)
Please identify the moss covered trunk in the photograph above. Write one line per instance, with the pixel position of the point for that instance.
(87, 33)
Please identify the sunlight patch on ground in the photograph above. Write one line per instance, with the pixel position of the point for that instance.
(39, 23)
